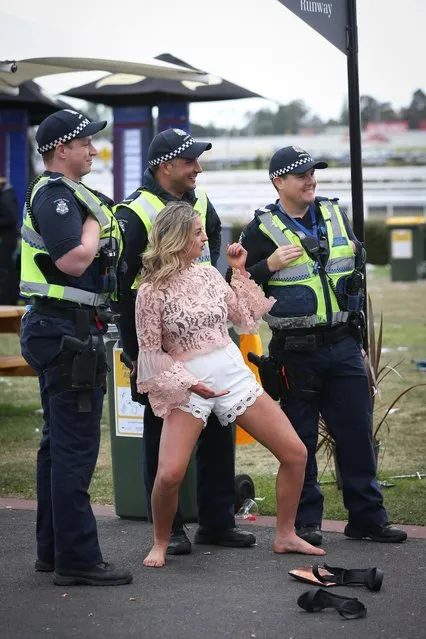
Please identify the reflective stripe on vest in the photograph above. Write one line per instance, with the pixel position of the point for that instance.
(306, 321)
(341, 262)
(34, 239)
(33, 281)
(68, 293)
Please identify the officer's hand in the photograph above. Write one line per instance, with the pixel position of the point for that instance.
(134, 368)
(236, 255)
(283, 256)
(352, 243)
(205, 391)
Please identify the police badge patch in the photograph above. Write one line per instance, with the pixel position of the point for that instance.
(62, 207)
(123, 225)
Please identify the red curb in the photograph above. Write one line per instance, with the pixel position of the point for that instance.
(328, 525)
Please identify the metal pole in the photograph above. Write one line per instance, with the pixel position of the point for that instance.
(355, 138)
(354, 122)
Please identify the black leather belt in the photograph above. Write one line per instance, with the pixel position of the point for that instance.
(63, 310)
(304, 341)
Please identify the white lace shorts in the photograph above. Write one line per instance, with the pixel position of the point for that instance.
(222, 369)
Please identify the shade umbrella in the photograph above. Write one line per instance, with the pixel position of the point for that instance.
(38, 103)
(15, 72)
(122, 90)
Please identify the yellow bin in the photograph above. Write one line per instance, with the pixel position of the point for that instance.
(248, 343)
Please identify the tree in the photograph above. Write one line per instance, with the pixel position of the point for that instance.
(416, 112)
(289, 117)
(369, 108)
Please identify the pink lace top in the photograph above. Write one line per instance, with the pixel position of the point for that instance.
(187, 317)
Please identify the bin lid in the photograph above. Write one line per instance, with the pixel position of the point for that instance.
(407, 220)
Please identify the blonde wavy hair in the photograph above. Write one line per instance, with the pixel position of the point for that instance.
(169, 234)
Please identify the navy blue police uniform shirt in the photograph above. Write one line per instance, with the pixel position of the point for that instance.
(136, 242)
(260, 247)
(59, 218)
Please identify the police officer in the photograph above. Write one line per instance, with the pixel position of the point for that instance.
(304, 252)
(71, 247)
(172, 174)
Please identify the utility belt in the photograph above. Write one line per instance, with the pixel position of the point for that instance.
(306, 342)
(63, 309)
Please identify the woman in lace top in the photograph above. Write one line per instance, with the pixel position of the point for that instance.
(189, 366)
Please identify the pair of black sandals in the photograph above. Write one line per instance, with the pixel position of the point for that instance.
(319, 599)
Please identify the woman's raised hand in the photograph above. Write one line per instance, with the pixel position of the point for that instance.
(236, 255)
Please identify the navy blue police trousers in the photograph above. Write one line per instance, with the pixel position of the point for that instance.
(66, 527)
(338, 389)
(215, 471)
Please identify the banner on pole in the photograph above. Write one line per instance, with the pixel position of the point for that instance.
(327, 18)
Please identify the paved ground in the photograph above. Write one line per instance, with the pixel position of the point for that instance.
(214, 593)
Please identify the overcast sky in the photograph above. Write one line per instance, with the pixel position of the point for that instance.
(258, 44)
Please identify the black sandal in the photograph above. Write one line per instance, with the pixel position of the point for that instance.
(318, 599)
(370, 577)
(328, 576)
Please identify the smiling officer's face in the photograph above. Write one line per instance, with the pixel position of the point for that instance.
(297, 189)
(79, 154)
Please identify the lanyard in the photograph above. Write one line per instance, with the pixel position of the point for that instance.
(312, 232)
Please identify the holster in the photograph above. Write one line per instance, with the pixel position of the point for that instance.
(302, 343)
(84, 364)
(357, 327)
(270, 376)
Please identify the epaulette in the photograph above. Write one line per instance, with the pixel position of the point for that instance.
(265, 209)
(132, 197)
(321, 198)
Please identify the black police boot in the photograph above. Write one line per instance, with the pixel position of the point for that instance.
(44, 566)
(179, 543)
(102, 574)
(310, 533)
(232, 537)
(386, 534)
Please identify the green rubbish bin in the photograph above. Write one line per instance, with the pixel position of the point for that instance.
(126, 429)
(407, 248)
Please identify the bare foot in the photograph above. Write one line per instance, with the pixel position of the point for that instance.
(156, 558)
(293, 543)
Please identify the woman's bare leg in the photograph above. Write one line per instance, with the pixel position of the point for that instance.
(180, 433)
(267, 423)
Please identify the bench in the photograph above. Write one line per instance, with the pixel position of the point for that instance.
(15, 366)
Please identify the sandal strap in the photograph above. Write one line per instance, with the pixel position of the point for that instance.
(309, 604)
(370, 577)
(317, 599)
(324, 580)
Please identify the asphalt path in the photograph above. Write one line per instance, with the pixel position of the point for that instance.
(215, 592)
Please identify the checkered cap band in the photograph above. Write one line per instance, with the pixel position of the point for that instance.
(290, 167)
(64, 138)
(172, 154)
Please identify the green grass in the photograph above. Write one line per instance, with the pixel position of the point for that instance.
(403, 441)
(405, 501)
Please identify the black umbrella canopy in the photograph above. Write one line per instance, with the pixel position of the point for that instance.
(32, 97)
(125, 90)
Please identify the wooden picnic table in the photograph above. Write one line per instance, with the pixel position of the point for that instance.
(10, 318)
(10, 322)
